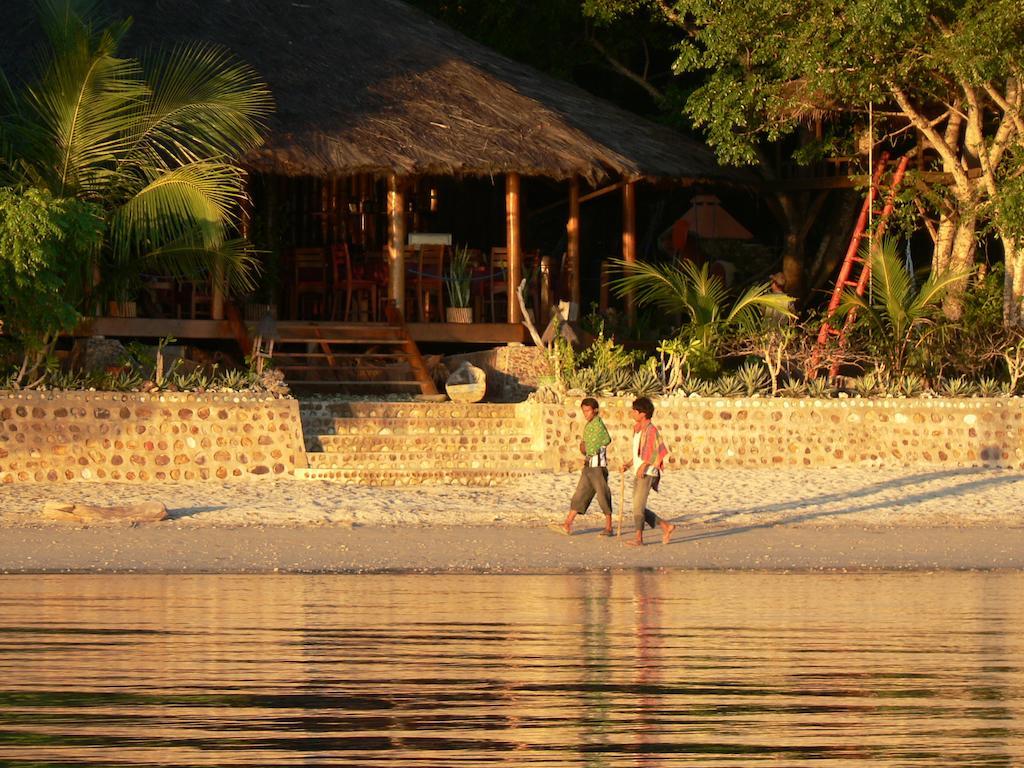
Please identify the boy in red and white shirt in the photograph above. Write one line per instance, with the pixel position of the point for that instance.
(649, 453)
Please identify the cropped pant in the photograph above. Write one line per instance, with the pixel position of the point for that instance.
(593, 482)
(641, 514)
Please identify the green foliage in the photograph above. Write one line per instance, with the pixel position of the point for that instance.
(820, 387)
(866, 386)
(458, 282)
(646, 382)
(754, 378)
(703, 301)
(151, 142)
(956, 386)
(898, 319)
(43, 242)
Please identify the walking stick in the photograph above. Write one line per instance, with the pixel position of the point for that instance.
(622, 503)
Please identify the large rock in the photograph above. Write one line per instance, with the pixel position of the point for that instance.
(468, 384)
(147, 512)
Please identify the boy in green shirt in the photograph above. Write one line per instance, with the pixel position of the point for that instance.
(594, 477)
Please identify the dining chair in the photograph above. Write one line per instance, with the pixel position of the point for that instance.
(498, 279)
(309, 283)
(345, 284)
(430, 281)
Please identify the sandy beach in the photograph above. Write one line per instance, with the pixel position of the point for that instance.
(777, 519)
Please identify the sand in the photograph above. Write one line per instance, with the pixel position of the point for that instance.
(775, 519)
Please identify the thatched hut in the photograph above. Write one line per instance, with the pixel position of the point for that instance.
(368, 90)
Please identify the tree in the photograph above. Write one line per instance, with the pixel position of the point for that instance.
(42, 241)
(897, 318)
(151, 144)
(701, 298)
(949, 70)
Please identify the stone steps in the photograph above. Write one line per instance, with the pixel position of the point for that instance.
(426, 459)
(420, 426)
(425, 442)
(462, 477)
(412, 443)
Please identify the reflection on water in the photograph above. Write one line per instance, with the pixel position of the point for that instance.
(627, 669)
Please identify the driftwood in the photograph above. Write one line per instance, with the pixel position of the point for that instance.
(147, 512)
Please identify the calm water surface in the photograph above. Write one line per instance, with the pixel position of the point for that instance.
(628, 669)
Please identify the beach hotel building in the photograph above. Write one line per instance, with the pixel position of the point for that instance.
(395, 140)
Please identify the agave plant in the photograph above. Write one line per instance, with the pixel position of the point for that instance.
(866, 386)
(153, 143)
(729, 385)
(754, 378)
(819, 387)
(646, 382)
(898, 318)
(910, 385)
(793, 387)
(989, 386)
(957, 386)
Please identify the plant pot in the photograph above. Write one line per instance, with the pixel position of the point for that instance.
(459, 314)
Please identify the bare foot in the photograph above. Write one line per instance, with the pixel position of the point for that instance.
(666, 533)
(562, 529)
(634, 543)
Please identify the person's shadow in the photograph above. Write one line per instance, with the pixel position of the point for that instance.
(987, 479)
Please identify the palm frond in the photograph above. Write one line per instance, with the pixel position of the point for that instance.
(935, 288)
(200, 197)
(890, 282)
(759, 297)
(664, 287)
(204, 104)
(189, 259)
(79, 108)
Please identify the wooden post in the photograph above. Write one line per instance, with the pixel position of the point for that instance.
(217, 291)
(513, 242)
(572, 231)
(396, 242)
(629, 240)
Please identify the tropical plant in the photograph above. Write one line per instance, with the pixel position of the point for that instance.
(957, 386)
(754, 378)
(151, 142)
(897, 319)
(459, 279)
(646, 382)
(729, 385)
(819, 387)
(700, 297)
(866, 385)
(989, 386)
(910, 385)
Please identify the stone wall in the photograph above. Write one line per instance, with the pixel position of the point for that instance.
(512, 371)
(716, 432)
(59, 436)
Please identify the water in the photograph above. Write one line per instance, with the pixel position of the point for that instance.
(627, 669)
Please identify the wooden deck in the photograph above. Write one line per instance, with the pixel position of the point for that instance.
(142, 328)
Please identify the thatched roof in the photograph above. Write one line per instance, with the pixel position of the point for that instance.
(378, 86)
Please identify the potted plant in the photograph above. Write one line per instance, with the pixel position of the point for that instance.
(457, 283)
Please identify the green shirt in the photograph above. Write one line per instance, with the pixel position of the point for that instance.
(595, 436)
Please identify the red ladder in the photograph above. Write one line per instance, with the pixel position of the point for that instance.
(848, 277)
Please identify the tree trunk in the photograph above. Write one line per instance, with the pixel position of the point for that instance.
(943, 243)
(1013, 287)
(961, 258)
(793, 259)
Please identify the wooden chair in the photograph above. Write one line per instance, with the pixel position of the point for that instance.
(499, 279)
(309, 283)
(344, 284)
(428, 279)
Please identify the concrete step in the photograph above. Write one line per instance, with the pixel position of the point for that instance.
(417, 426)
(425, 460)
(408, 409)
(395, 477)
(425, 442)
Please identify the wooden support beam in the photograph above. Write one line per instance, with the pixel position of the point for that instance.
(601, 191)
(572, 231)
(513, 242)
(396, 242)
(629, 240)
(217, 296)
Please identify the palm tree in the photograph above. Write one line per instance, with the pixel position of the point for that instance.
(153, 143)
(702, 298)
(897, 317)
